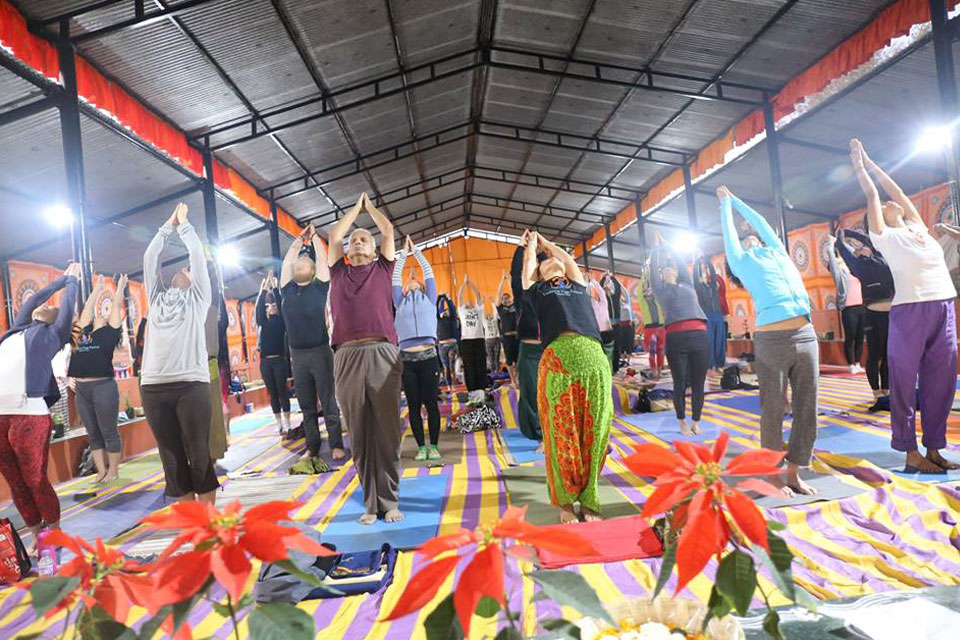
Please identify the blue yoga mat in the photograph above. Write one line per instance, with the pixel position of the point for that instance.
(522, 448)
(421, 501)
(751, 403)
(663, 424)
(875, 449)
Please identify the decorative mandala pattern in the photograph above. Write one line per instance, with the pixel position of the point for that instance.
(232, 318)
(825, 247)
(945, 213)
(26, 289)
(831, 303)
(740, 310)
(801, 255)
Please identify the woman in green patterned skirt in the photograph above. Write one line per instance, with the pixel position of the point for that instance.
(574, 382)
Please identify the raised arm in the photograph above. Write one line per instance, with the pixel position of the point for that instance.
(25, 315)
(339, 231)
(570, 265)
(529, 273)
(116, 309)
(948, 230)
(656, 279)
(503, 281)
(260, 309)
(286, 268)
(198, 263)
(397, 281)
(892, 188)
(387, 239)
(68, 306)
(874, 210)
(88, 313)
(758, 222)
(429, 280)
(152, 278)
(731, 239)
(320, 255)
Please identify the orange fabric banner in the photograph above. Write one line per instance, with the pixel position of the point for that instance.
(26, 278)
(32, 50)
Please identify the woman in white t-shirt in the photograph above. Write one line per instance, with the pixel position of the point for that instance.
(473, 346)
(491, 334)
(922, 339)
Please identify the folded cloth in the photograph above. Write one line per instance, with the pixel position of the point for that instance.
(613, 540)
(309, 467)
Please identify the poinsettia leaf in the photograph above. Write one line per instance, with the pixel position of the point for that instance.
(737, 580)
(280, 621)
(482, 577)
(96, 624)
(777, 563)
(771, 624)
(667, 564)
(435, 546)
(755, 462)
(665, 498)
(523, 553)
(149, 628)
(245, 601)
(442, 623)
(46, 593)
(566, 629)
(509, 633)
(182, 609)
(652, 460)
(773, 525)
(762, 487)
(567, 588)
(718, 606)
(700, 539)
(747, 516)
(487, 607)
(423, 586)
(221, 609)
(720, 446)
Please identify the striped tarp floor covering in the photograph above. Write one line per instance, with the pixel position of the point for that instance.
(897, 533)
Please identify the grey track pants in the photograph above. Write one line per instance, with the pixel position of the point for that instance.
(98, 403)
(790, 356)
(368, 378)
(313, 374)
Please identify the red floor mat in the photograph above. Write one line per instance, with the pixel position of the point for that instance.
(615, 540)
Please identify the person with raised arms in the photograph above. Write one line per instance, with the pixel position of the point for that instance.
(922, 342)
(367, 363)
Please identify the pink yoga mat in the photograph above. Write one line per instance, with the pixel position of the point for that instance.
(615, 540)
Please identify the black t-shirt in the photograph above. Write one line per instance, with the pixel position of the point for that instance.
(272, 333)
(93, 357)
(304, 314)
(508, 317)
(563, 305)
(527, 326)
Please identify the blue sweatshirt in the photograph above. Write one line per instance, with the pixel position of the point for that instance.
(416, 315)
(767, 272)
(43, 341)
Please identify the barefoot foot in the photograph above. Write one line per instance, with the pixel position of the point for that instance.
(589, 515)
(934, 456)
(540, 448)
(368, 518)
(393, 515)
(338, 454)
(918, 463)
(685, 429)
(567, 516)
(695, 427)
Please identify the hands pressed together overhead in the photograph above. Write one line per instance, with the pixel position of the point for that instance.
(179, 215)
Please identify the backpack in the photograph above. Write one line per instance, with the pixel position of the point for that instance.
(478, 419)
(730, 379)
(14, 560)
(642, 405)
(86, 466)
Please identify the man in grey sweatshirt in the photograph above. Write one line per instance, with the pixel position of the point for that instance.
(175, 377)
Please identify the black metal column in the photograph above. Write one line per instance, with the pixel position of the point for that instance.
(7, 294)
(586, 255)
(242, 320)
(641, 230)
(690, 195)
(611, 265)
(210, 201)
(73, 161)
(275, 238)
(949, 104)
(776, 178)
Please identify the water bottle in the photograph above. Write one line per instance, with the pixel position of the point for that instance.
(47, 557)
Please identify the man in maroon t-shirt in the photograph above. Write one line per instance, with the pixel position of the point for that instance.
(366, 363)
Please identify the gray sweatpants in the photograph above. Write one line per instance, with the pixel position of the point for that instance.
(312, 375)
(790, 356)
(98, 403)
(368, 376)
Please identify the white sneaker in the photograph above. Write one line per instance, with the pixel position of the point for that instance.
(852, 368)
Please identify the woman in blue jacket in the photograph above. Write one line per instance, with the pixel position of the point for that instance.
(416, 323)
(785, 343)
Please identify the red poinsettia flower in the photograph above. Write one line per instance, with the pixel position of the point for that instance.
(483, 576)
(107, 578)
(704, 505)
(221, 543)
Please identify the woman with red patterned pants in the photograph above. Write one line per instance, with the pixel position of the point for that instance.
(574, 383)
(29, 389)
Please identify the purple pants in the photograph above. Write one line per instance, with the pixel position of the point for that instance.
(922, 342)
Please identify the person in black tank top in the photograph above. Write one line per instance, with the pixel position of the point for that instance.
(574, 389)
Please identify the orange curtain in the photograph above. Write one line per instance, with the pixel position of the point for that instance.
(33, 51)
(26, 278)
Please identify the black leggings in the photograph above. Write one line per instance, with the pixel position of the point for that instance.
(854, 324)
(275, 373)
(688, 353)
(421, 385)
(473, 353)
(878, 323)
